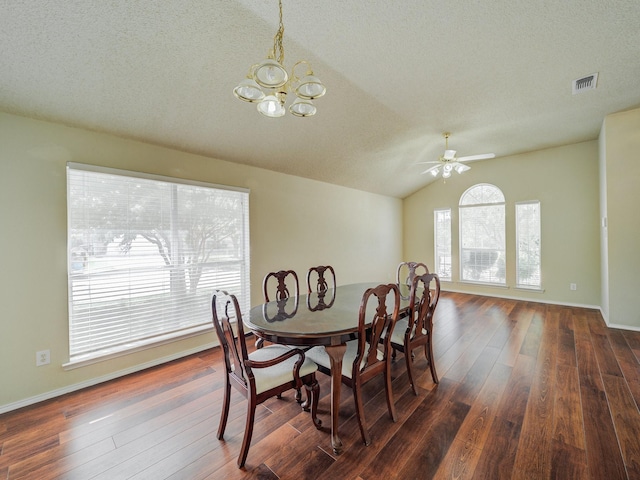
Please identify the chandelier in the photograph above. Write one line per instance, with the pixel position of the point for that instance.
(268, 83)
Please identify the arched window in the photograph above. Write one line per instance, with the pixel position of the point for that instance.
(482, 238)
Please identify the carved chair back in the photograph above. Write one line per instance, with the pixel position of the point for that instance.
(316, 276)
(381, 320)
(225, 308)
(425, 293)
(287, 285)
(322, 284)
(408, 270)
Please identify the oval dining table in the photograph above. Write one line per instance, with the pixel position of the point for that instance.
(329, 319)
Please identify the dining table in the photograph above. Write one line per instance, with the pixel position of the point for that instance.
(328, 318)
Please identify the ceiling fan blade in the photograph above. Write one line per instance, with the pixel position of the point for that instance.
(420, 163)
(471, 158)
(449, 154)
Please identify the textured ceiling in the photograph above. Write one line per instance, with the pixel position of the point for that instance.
(496, 74)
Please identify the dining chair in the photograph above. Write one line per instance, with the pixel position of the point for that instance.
(258, 375)
(321, 283)
(363, 358)
(324, 288)
(286, 282)
(411, 269)
(416, 328)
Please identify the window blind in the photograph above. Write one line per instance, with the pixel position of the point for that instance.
(442, 242)
(528, 245)
(145, 253)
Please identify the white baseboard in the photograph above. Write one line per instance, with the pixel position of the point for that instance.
(565, 304)
(94, 381)
(622, 327)
(524, 299)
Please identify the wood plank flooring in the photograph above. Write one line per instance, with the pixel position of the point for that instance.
(527, 391)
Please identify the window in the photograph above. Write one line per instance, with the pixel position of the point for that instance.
(442, 233)
(145, 253)
(482, 239)
(528, 245)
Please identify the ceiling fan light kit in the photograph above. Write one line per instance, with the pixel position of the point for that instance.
(271, 76)
(448, 162)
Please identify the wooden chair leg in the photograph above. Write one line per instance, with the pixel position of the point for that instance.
(313, 396)
(308, 385)
(248, 432)
(357, 398)
(387, 381)
(224, 415)
(432, 365)
(307, 404)
(408, 358)
(298, 395)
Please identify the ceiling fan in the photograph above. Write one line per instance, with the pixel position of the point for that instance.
(449, 162)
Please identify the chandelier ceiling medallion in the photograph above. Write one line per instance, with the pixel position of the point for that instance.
(268, 83)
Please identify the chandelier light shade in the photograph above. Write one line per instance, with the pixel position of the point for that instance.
(270, 106)
(310, 87)
(248, 90)
(270, 74)
(302, 108)
(268, 83)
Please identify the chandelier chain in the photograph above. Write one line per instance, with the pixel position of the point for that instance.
(278, 47)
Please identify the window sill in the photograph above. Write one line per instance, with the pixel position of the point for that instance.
(108, 354)
(529, 289)
(497, 285)
(484, 284)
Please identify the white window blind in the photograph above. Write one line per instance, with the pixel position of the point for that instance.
(145, 253)
(482, 235)
(442, 242)
(528, 245)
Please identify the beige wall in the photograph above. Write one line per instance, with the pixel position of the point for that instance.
(294, 223)
(621, 164)
(285, 221)
(565, 181)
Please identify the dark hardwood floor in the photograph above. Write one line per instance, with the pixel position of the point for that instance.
(527, 391)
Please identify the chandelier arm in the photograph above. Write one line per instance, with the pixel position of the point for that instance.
(252, 70)
(294, 77)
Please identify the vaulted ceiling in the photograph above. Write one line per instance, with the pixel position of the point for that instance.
(496, 74)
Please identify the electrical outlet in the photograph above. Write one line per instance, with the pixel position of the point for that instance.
(43, 357)
(573, 286)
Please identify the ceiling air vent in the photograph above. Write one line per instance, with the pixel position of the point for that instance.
(585, 83)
